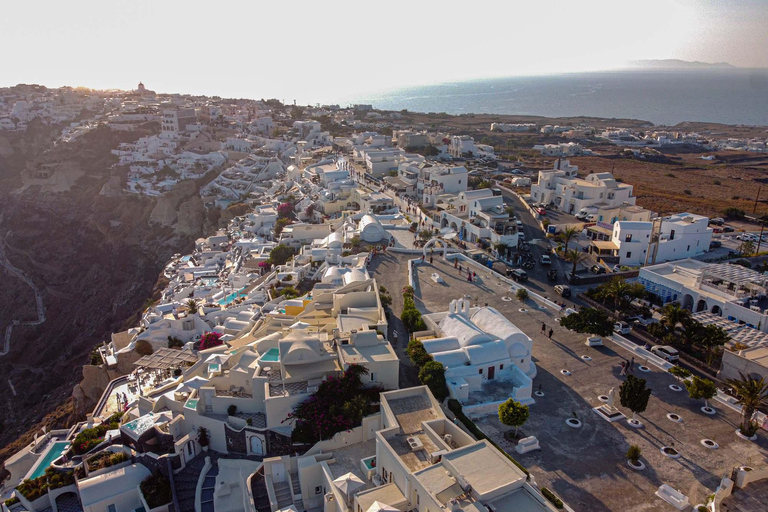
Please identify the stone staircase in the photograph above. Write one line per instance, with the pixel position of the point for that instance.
(283, 495)
(209, 485)
(186, 483)
(297, 491)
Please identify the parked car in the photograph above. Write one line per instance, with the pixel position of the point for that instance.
(727, 229)
(563, 290)
(597, 269)
(519, 224)
(541, 211)
(516, 274)
(544, 259)
(617, 268)
(591, 217)
(666, 352)
(622, 328)
(717, 221)
(714, 244)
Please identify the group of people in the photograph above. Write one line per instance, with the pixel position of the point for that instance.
(626, 366)
(122, 401)
(544, 328)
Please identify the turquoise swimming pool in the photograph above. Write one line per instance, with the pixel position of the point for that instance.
(232, 296)
(53, 453)
(272, 356)
(370, 463)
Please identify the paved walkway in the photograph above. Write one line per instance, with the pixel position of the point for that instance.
(752, 498)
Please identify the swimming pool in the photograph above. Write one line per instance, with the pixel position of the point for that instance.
(191, 404)
(186, 258)
(140, 425)
(370, 463)
(271, 356)
(53, 453)
(232, 296)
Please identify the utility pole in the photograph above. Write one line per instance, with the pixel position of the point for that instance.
(759, 240)
(756, 198)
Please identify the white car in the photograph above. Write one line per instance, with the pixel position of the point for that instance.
(622, 328)
(666, 352)
(544, 259)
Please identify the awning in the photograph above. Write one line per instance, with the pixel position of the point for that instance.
(165, 358)
(605, 245)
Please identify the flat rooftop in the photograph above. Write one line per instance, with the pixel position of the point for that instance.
(411, 411)
(483, 467)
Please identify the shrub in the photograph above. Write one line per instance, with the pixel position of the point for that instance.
(249, 422)
(280, 254)
(174, 342)
(557, 502)
(734, 212)
(513, 414)
(232, 410)
(680, 372)
(210, 339)
(288, 278)
(716, 182)
(143, 348)
(522, 294)
(657, 329)
(634, 452)
(687, 192)
(156, 490)
(432, 374)
(11, 501)
(417, 353)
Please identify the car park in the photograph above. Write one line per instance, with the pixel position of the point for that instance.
(622, 328)
(666, 352)
(563, 290)
(545, 260)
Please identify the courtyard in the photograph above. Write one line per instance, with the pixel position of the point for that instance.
(587, 466)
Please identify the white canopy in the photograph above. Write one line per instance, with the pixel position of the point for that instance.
(193, 383)
(217, 358)
(381, 507)
(348, 483)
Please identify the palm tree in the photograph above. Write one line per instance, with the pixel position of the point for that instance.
(673, 314)
(566, 235)
(616, 289)
(192, 306)
(502, 249)
(753, 394)
(575, 257)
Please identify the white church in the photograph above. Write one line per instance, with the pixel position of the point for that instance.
(477, 346)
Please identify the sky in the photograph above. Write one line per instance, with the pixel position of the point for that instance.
(329, 51)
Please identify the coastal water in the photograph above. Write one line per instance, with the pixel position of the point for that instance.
(663, 97)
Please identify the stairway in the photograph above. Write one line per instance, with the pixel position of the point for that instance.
(209, 485)
(297, 492)
(283, 495)
(186, 483)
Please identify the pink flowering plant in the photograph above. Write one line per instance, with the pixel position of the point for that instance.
(339, 404)
(210, 340)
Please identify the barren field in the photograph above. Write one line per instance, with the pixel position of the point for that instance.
(690, 184)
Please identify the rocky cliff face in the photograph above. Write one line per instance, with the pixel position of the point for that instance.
(93, 252)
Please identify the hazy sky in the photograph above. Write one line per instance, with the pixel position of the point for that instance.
(322, 51)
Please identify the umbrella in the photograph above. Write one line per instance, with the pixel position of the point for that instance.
(381, 507)
(193, 383)
(217, 359)
(348, 483)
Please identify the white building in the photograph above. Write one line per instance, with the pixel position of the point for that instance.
(462, 145)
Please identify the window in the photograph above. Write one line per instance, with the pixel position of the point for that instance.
(629, 254)
(689, 248)
(672, 235)
(501, 367)
(628, 238)
(111, 507)
(318, 489)
(480, 371)
(373, 377)
(459, 184)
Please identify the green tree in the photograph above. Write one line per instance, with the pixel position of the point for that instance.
(502, 249)
(699, 388)
(589, 321)
(522, 294)
(712, 338)
(672, 315)
(574, 256)
(425, 234)
(634, 395)
(633, 453)
(747, 248)
(734, 213)
(192, 306)
(566, 235)
(417, 353)
(355, 241)
(280, 254)
(679, 372)
(513, 414)
(432, 374)
(753, 393)
(620, 293)
(280, 225)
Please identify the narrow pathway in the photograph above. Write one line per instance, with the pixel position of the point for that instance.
(38, 299)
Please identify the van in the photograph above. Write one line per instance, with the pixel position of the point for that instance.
(666, 352)
(563, 290)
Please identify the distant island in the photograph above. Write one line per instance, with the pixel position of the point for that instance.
(677, 64)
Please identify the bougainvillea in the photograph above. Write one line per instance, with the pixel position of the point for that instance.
(210, 340)
(339, 404)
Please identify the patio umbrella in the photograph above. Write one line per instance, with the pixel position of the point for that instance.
(193, 383)
(381, 507)
(348, 483)
(217, 359)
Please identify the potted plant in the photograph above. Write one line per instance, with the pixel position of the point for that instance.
(633, 457)
(202, 438)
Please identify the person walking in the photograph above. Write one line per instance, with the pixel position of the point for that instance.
(632, 364)
(543, 327)
(550, 333)
(430, 260)
(394, 336)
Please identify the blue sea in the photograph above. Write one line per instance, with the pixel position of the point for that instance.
(663, 97)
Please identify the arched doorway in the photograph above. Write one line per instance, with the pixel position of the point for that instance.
(716, 310)
(67, 502)
(701, 305)
(256, 445)
(687, 302)
(190, 450)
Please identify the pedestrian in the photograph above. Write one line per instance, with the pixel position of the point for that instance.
(474, 274)
(632, 363)
(469, 276)
(550, 333)
(543, 327)
(459, 269)
(430, 260)
(422, 256)
(394, 336)
(455, 262)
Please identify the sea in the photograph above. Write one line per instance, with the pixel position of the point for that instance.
(663, 97)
